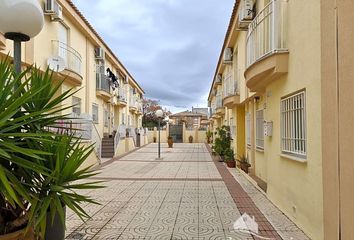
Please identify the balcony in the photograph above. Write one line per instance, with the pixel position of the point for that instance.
(231, 96)
(122, 97)
(133, 104)
(267, 49)
(103, 88)
(72, 60)
(220, 110)
(2, 42)
(140, 108)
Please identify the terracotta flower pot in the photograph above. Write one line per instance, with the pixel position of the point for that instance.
(19, 235)
(170, 142)
(231, 164)
(245, 166)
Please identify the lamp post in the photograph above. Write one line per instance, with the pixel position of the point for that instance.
(20, 20)
(159, 115)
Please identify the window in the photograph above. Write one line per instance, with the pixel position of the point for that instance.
(293, 124)
(123, 119)
(260, 129)
(76, 102)
(106, 118)
(248, 129)
(95, 113)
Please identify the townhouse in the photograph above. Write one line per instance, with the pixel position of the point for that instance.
(108, 99)
(282, 85)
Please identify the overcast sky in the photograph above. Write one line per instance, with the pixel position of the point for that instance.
(171, 47)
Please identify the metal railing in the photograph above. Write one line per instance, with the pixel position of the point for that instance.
(212, 109)
(116, 140)
(71, 57)
(122, 131)
(230, 86)
(102, 82)
(133, 102)
(97, 140)
(122, 95)
(267, 33)
(218, 101)
(81, 127)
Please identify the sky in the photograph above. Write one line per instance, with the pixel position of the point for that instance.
(171, 47)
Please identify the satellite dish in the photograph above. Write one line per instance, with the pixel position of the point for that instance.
(56, 63)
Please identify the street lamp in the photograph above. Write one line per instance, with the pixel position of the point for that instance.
(159, 115)
(20, 20)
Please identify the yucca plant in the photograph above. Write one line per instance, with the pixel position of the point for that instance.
(58, 189)
(31, 155)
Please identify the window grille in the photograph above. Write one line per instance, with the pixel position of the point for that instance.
(293, 124)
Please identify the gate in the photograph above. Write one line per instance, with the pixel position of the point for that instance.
(176, 132)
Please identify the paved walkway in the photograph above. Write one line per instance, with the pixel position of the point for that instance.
(186, 195)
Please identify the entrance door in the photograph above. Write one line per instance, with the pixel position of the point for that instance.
(176, 132)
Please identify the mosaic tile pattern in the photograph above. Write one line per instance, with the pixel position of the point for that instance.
(181, 197)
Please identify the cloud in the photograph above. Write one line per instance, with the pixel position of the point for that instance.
(171, 47)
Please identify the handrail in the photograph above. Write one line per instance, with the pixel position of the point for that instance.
(116, 140)
(70, 55)
(267, 32)
(98, 142)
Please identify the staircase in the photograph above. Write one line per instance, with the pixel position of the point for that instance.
(107, 147)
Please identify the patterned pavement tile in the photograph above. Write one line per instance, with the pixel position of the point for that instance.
(182, 196)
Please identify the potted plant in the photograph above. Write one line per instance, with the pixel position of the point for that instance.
(190, 139)
(154, 139)
(222, 141)
(30, 107)
(230, 158)
(208, 136)
(244, 164)
(170, 141)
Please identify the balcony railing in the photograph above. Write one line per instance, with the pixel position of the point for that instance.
(230, 86)
(71, 57)
(133, 102)
(122, 96)
(218, 101)
(102, 82)
(267, 33)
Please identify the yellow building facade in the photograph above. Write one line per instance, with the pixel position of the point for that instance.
(267, 88)
(107, 96)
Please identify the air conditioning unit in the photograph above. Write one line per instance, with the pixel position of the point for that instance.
(49, 7)
(53, 9)
(99, 53)
(246, 13)
(218, 79)
(126, 79)
(228, 55)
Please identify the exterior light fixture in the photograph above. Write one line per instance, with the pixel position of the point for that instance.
(159, 115)
(20, 20)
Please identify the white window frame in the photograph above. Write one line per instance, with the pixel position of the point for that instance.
(95, 113)
(260, 129)
(248, 129)
(76, 106)
(293, 124)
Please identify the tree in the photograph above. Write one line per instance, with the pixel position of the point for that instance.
(150, 106)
